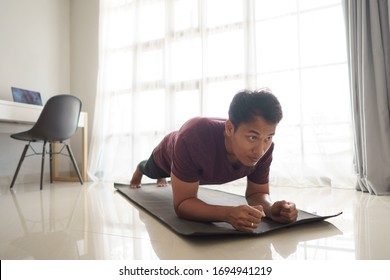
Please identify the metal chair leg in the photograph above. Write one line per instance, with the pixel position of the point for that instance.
(43, 162)
(51, 161)
(74, 162)
(19, 165)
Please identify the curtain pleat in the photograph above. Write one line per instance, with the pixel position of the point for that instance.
(368, 40)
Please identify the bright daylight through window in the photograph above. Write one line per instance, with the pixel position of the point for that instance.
(165, 61)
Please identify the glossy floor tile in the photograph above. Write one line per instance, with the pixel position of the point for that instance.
(93, 221)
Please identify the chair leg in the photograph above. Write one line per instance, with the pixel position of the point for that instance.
(74, 162)
(19, 165)
(51, 161)
(43, 163)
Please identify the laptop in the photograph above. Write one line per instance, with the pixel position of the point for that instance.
(26, 96)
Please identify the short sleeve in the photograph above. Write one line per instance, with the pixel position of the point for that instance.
(183, 164)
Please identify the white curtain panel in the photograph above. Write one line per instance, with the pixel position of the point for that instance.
(165, 61)
(368, 25)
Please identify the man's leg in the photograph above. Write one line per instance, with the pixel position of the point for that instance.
(150, 169)
(135, 181)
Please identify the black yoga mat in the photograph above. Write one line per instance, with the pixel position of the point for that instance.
(158, 202)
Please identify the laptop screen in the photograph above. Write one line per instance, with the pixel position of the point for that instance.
(26, 96)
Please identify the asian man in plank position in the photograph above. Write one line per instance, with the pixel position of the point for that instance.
(217, 151)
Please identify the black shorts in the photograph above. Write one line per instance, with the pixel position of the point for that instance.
(150, 169)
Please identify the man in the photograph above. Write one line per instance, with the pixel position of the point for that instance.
(217, 151)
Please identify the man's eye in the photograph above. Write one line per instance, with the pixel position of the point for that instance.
(252, 138)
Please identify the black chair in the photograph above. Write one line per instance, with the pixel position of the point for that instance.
(57, 122)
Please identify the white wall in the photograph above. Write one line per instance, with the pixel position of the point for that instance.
(34, 48)
(49, 46)
(84, 28)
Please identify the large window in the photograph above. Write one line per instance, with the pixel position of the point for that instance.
(165, 61)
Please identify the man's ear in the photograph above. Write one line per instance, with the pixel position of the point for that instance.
(229, 128)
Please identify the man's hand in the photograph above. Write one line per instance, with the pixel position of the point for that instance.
(245, 218)
(284, 212)
(280, 211)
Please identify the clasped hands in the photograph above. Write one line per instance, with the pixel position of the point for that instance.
(247, 218)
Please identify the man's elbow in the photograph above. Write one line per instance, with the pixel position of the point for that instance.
(181, 211)
(178, 211)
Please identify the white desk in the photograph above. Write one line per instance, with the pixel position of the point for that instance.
(13, 112)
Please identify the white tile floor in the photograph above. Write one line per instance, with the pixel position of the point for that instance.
(69, 221)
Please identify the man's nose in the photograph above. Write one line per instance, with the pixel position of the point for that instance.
(259, 149)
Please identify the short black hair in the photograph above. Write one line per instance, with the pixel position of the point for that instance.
(247, 105)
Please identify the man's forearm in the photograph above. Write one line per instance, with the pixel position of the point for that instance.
(262, 199)
(197, 210)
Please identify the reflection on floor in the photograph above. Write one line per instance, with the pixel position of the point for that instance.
(69, 221)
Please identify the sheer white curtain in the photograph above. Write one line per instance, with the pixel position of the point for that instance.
(164, 61)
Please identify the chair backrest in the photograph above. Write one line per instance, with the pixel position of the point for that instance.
(59, 118)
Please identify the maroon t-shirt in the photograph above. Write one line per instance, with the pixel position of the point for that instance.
(197, 152)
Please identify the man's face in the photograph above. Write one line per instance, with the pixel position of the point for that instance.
(249, 141)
